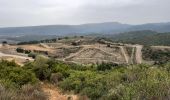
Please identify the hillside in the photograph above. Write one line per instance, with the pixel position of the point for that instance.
(65, 29)
(142, 37)
(105, 28)
(84, 68)
(78, 82)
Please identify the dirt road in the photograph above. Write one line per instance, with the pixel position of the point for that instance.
(44, 45)
(132, 55)
(160, 47)
(139, 54)
(20, 60)
(124, 54)
(15, 56)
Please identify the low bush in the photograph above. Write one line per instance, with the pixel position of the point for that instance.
(20, 50)
(17, 83)
(33, 55)
(106, 66)
(11, 73)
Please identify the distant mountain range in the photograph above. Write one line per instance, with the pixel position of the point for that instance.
(102, 28)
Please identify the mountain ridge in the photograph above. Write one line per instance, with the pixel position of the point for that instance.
(104, 28)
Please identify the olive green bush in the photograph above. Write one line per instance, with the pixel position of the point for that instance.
(14, 75)
(17, 83)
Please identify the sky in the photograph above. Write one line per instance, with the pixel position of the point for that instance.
(51, 12)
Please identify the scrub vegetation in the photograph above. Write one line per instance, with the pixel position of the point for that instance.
(97, 82)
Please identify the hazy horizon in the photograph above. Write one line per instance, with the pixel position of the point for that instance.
(81, 24)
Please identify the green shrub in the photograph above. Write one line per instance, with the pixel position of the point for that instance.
(33, 55)
(13, 74)
(56, 77)
(18, 83)
(20, 50)
(84, 82)
(106, 66)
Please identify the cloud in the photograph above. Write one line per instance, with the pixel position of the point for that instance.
(37, 12)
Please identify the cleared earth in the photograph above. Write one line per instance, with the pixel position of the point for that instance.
(81, 51)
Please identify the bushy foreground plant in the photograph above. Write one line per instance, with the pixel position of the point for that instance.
(13, 74)
(17, 83)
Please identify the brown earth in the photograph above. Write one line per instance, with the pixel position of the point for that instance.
(84, 53)
(55, 94)
(139, 54)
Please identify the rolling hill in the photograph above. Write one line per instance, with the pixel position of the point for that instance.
(104, 28)
(145, 37)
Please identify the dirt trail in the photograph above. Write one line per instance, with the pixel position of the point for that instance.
(15, 56)
(55, 94)
(74, 54)
(160, 47)
(44, 45)
(139, 54)
(124, 54)
(132, 55)
(84, 47)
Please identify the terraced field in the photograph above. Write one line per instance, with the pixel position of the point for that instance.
(97, 54)
(85, 53)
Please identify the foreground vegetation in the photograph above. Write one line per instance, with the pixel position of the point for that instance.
(98, 82)
(17, 83)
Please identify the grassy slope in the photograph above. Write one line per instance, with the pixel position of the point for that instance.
(142, 37)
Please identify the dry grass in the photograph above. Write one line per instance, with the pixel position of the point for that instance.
(27, 92)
